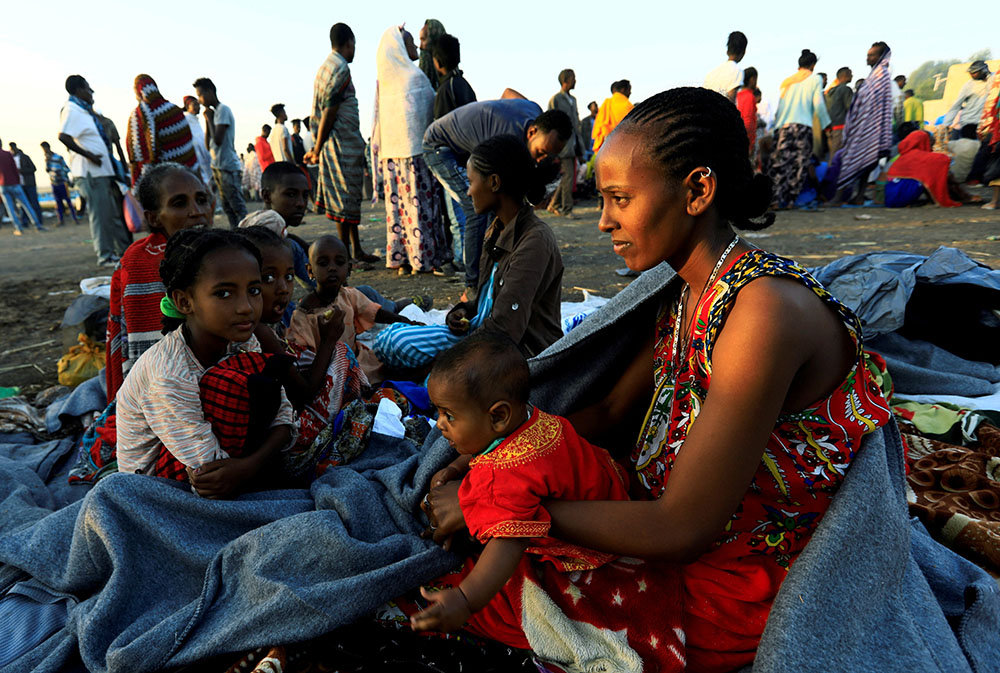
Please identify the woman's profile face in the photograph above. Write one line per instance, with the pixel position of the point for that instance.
(644, 210)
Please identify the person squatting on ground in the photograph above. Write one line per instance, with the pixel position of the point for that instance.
(520, 269)
(449, 142)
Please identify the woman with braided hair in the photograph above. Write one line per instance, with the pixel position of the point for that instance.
(753, 381)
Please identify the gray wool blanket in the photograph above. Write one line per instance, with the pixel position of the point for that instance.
(164, 578)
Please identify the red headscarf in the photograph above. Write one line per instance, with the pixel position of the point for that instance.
(917, 162)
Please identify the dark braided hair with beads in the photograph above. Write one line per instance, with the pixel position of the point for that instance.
(186, 252)
(688, 127)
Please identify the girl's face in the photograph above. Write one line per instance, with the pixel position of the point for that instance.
(483, 190)
(184, 203)
(277, 275)
(224, 303)
(644, 211)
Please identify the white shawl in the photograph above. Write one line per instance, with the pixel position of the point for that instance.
(404, 100)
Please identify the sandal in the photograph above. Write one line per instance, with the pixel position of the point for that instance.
(360, 265)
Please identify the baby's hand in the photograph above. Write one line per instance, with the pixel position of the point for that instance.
(457, 321)
(449, 611)
(331, 324)
(220, 478)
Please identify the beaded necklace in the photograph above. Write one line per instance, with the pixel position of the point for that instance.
(679, 309)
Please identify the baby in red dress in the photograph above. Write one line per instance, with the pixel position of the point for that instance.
(520, 456)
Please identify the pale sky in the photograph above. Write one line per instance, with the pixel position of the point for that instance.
(260, 53)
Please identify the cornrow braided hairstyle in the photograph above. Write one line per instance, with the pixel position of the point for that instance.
(186, 251)
(508, 157)
(262, 237)
(689, 127)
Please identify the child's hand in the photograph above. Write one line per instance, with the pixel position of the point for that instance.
(220, 478)
(331, 325)
(457, 321)
(449, 611)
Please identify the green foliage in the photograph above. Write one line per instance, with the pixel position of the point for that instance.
(922, 80)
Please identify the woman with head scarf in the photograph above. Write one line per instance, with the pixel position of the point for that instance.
(404, 103)
(431, 31)
(157, 130)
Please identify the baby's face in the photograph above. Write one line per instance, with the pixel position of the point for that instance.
(466, 426)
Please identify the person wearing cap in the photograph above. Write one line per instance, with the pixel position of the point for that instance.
(192, 108)
(970, 101)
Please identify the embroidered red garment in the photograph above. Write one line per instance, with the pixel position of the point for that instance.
(930, 169)
(729, 589)
(134, 318)
(502, 494)
(560, 597)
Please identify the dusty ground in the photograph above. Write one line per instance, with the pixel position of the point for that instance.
(40, 272)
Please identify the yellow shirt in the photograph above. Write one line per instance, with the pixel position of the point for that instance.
(913, 110)
(611, 112)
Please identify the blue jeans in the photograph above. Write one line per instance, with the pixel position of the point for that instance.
(31, 191)
(444, 166)
(374, 295)
(12, 196)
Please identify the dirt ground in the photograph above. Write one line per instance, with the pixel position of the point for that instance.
(40, 273)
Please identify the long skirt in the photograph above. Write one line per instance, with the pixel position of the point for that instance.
(341, 175)
(790, 162)
(414, 234)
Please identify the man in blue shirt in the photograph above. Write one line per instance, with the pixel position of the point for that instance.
(449, 141)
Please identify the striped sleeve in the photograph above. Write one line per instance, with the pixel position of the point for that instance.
(174, 413)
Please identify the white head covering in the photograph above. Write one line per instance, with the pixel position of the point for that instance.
(404, 100)
(268, 219)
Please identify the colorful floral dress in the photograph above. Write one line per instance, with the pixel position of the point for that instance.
(729, 590)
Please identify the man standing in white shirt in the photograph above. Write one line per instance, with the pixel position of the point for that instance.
(728, 77)
(220, 129)
(90, 163)
(280, 139)
(968, 107)
(192, 108)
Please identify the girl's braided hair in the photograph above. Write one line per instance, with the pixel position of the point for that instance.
(507, 157)
(147, 190)
(186, 251)
(689, 127)
(262, 237)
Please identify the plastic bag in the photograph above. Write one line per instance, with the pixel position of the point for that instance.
(133, 213)
(81, 363)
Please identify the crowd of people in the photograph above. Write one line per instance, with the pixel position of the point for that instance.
(203, 328)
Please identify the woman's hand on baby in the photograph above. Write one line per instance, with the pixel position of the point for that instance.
(449, 611)
(331, 324)
(457, 320)
(220, 478)
(444, 513)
